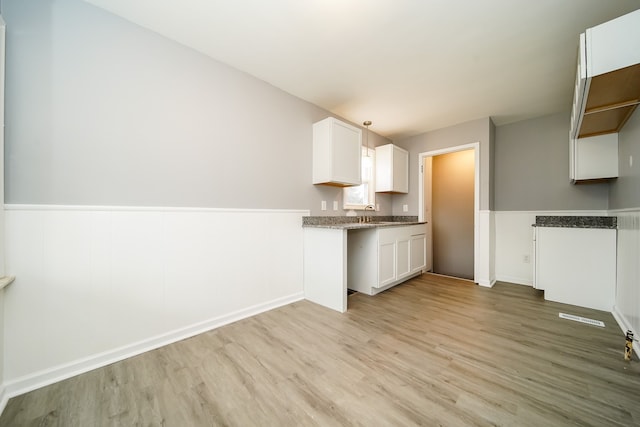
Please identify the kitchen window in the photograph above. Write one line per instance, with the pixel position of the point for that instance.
(363, 195)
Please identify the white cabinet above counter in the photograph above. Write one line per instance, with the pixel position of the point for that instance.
(607, 86)
(607, 92)
(337, 148)
(392, 169)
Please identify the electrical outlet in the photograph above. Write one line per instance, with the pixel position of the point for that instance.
(323, 205)
(335, 205)
(377, 207)
(525, 259)
(405, 208)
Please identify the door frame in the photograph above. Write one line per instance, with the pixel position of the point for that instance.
(476, 195)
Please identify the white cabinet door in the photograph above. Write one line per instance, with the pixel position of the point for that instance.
(387, 268)
(403, 260)
(596, 157)
(577, 266)
(418, 250)
(386, 263)
(337, 152)
(392, 169)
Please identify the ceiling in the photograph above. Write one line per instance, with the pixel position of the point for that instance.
(409, 66)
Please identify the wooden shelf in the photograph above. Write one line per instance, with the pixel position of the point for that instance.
(612, 99)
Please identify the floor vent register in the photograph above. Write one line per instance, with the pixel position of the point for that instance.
(582, 319)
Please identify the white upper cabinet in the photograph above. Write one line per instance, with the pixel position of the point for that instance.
(596, 157)
(607, 91)
(607, 86)
(336, 153)
(392, 169)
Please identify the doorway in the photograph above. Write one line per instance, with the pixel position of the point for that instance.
(449, 202)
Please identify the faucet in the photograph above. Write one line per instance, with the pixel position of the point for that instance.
(368, 208)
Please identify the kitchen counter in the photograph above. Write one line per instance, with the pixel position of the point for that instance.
(604, 222)
(351, 222)
(376, 262)
(575, 260)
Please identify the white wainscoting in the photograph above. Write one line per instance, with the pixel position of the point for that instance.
(514, 241)
(627, 308)
(98, 284)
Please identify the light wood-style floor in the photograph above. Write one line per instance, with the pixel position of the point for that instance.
(434, 351)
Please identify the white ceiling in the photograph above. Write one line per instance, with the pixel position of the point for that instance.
(409, 66)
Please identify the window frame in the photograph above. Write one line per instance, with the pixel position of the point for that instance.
(370, 181)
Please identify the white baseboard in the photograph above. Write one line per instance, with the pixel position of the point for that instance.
(4, 398)
(487, 283)
(49, 376)
(514, 279)
(625, 326)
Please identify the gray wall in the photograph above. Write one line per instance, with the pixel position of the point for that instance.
(464, 133)
(532, 169)
(625, 191)
(103, 112)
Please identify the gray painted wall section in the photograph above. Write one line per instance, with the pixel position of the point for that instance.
(464, 133)
(532, 169)
(625, 191)
(103, 112)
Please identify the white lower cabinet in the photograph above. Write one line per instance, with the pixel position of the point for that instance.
(418, 252)
(386, 264)
(577, 266)
(380, 258)
(403, 269)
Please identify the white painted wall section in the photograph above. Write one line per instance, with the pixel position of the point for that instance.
(98, 284)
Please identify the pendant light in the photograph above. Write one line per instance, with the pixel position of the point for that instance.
(367, 123)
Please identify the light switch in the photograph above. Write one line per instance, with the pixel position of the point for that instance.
(323, 205)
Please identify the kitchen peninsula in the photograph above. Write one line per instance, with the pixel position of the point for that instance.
(341, 253)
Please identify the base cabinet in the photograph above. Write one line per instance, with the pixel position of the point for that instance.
(384, 257)
(577, 266)
(386, 264)
(418, 252)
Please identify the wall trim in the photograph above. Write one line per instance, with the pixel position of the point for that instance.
(40, 207)
(487, 283)
(4, 398)
(513, 279)
(624, 210)
(50, 376)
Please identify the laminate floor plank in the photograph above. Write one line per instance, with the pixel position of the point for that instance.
(433, 351)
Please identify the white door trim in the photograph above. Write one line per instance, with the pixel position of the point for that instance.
(476, 198)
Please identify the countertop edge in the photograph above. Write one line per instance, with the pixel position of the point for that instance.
(360, 226)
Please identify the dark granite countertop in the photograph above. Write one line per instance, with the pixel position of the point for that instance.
(351, 222)
(607, 222)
